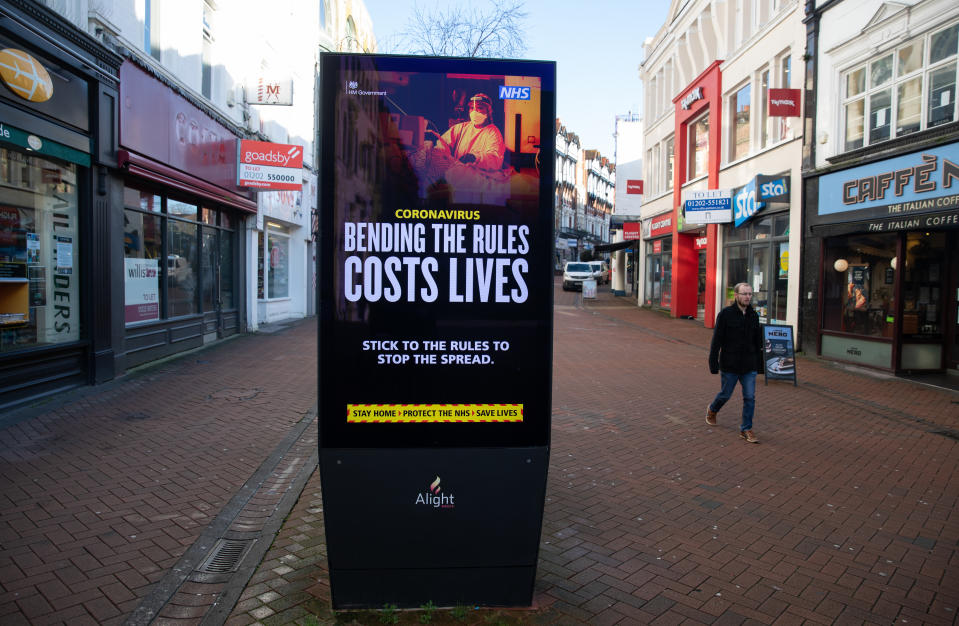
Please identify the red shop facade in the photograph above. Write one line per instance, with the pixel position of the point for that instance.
(183, 271)
(698, 120)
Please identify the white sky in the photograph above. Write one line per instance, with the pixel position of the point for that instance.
(597, 46)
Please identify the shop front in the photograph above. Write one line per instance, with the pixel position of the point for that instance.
(282, 244)
(56, 146)
(658, 252)
(886, 273)
(756, 246)
(183, 220)
(698, 118)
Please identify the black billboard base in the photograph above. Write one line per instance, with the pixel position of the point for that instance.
(451, 526)
(411, 589)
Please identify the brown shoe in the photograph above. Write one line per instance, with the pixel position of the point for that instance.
(710, 416)
(748, 436)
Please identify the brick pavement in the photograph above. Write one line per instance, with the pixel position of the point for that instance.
(845, 513)
(104, 489)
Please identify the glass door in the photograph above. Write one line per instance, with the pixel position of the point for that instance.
(210, 274)
(758, 279)
(923, 302)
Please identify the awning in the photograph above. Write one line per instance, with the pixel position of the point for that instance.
(619, 245)
(165, 175)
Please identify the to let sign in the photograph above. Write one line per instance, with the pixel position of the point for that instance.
(269, 166)
(785, 102)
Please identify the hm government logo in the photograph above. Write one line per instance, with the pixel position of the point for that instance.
(432, 497)
(353, 89)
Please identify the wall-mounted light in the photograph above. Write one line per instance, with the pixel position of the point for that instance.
(841, 265)
(893, 263)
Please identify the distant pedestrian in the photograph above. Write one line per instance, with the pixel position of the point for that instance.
(736, 353)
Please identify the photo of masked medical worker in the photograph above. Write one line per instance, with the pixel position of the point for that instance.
(477, 142)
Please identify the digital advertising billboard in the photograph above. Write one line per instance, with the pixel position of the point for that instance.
(435, 329)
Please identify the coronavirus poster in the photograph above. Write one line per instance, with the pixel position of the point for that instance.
(435, 300)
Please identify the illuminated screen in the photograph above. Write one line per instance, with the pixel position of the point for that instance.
(436, 236)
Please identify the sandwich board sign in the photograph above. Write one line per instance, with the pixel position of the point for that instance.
(779, 353)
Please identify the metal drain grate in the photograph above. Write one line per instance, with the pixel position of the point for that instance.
(225, 556)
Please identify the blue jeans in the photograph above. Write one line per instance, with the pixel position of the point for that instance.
(729, 380)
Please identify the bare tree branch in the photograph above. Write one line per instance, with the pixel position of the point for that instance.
(497, 30)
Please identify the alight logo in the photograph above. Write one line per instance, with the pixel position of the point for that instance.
(511, 92)
(434, 498)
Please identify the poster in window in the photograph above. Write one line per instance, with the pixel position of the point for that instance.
(142, 290)
(857, 288)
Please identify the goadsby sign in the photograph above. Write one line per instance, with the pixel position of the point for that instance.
(269, 166)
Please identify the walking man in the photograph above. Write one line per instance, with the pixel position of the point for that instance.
(736, 353)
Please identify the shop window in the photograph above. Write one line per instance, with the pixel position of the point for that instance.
(198, 245)
(785, 82)
(757, 253)
(923, 295)
(227, 270)
(891, 89)
(739, 129)
(39, 252)
(275, 263)
(698, 147)
(859, 284)
(181, 268)
(764, 108)
(142, 251)
(669, 163)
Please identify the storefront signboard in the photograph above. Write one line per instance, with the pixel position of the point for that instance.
(272, 166)
(142, 290)
(754, 196)
(661, 225)
(709, 206)
(435, 287)
(631, 231)
(634, 187)
(900, 187)
(785, 102)
(270, 90)
(41, 145)
(946, 219)
(779, 353)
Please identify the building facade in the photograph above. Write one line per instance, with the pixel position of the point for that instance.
(58, 108)
(125, 236)
(584, 197)
(881, 184)
(715, 78)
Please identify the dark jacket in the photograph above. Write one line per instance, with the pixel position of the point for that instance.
(737, 345)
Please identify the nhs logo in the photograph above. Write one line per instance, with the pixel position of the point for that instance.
(510, 92)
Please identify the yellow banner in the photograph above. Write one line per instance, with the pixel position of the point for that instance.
(419, 413)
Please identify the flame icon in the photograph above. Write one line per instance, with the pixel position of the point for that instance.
(435, 486)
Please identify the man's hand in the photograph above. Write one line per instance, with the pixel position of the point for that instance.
(468, 158)
(713, 370)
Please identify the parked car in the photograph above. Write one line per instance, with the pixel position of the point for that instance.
(574, 273)
(600, 272)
